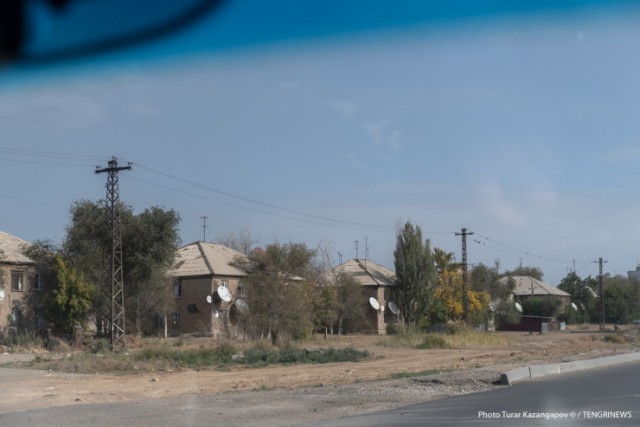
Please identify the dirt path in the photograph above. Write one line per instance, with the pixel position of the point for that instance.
(361, 386)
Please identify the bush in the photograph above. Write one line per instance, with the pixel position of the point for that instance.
(100, 345)
(433, 341)
(615, 339)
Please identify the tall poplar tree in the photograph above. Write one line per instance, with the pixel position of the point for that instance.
(415, 273)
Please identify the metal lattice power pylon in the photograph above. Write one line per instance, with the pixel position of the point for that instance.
(115, 289)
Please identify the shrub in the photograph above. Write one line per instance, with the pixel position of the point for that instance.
(433, 341)
(615, 339)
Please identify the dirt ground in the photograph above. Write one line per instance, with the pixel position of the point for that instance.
(358, 387)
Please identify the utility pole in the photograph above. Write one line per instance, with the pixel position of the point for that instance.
(600, 292)
(116, 289)
(465, 297)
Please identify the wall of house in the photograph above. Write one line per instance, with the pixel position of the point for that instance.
(22, 305)
(194, 315)
(377, 320)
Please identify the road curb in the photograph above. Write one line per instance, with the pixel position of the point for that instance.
(538, 371)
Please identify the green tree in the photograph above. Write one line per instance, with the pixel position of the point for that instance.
(581, 295)
(347, 296)
(325, 307)
(149, 242)
(415, 274)
(69, 302)
(541, 306)
(280, 295)
(534, 272)
(621, 300)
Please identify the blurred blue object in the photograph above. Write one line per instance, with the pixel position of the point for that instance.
(56, 30)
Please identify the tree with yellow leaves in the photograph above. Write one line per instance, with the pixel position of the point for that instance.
(448, 294)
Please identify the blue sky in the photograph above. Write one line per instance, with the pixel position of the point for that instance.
(520, 126)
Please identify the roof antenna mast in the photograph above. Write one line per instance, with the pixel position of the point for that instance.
(204, 228)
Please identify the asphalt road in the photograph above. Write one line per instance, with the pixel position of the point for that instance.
(601, 397)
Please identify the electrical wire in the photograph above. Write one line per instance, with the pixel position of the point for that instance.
(199, 197)
(521, 252)
(269, 205)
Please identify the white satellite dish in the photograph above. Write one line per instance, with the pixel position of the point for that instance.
(575, 307)
(1, 294)
(209, 299)
(374, 303)
(394, 308)
(518, 307)
(224, 293)
(242, 306)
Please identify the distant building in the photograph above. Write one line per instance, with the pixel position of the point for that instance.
(377, 282)
(634, 274)
(21, 287)
(208, 288)
(528, 287)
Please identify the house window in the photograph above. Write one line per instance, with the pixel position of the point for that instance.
(242, 290)
(177, 289)
(225, 284)
(17, 281)
(176, 319)
(225, 317)
(37, 282)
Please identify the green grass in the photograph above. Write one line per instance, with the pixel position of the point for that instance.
(170, 358)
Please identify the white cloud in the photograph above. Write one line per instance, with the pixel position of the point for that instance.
(381, 135)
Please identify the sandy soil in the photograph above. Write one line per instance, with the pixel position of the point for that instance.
(361, 386)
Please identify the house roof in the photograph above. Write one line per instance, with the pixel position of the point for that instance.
(206, 259)
(368, 273)
(526, 286)
(11, 248)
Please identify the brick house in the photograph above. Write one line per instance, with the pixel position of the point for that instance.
(21, 287)
(209, 291)
(377, 283)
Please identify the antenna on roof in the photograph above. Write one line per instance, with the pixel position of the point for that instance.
(357, 248)
(366, 251)
(204, 228)
(340, 257)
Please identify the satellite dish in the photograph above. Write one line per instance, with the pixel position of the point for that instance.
(209, 299)
(518, 307)
(374, 303)
(1, 294)
(394, 308)
(242, 306)
(224, 293)
(575, 307)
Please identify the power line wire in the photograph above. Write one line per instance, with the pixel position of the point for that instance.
(269, 205)
(248, 208)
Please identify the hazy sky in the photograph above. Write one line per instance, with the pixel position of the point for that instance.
(521, 127)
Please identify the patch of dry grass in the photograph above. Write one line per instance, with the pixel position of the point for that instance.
(462, 338)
